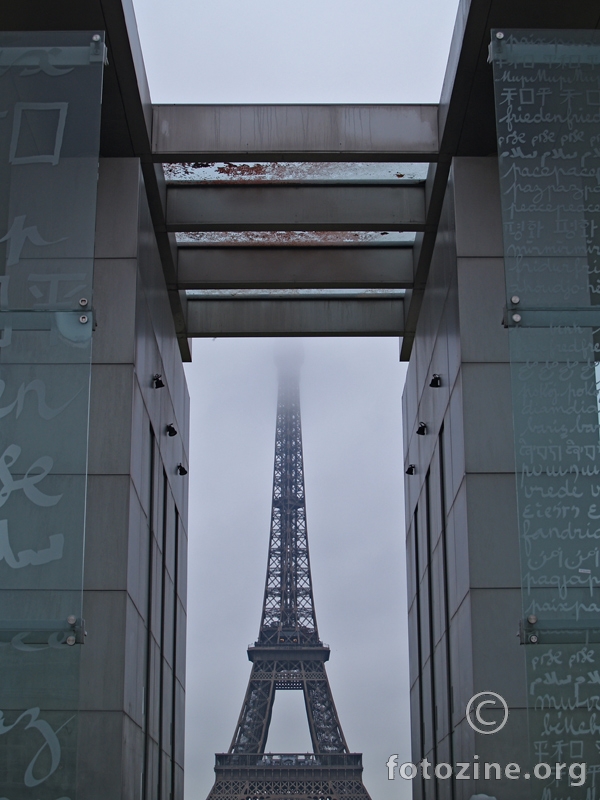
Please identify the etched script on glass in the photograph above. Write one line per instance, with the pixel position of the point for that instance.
(547, 90)
(50, 90)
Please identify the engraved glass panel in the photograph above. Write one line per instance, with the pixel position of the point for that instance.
(50, 94)
(547, 89)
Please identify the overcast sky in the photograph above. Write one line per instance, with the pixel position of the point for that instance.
(353, 474)
(330, 51)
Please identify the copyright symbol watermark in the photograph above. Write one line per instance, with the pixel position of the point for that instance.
(485, 701)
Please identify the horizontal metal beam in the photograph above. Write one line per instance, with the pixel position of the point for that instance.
(285, 207)
(295, 267)
(294, 133)
(299, 317)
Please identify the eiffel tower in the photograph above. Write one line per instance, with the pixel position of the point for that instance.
(288, 653)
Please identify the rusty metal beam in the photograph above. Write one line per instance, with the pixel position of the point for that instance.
(294, 133)
(297, 317)
(293, 267)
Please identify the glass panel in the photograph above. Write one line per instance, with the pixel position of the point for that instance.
(547, 87)
(50, 93)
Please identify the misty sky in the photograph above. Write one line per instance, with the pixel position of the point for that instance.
(330, 51)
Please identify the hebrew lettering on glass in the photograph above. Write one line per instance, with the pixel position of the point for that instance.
(26, 558)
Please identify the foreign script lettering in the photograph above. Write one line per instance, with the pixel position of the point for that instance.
(55, 640)
(50, 742)
(27, 483)
(547, 88)
(38, 387)
(18, 235)
(44, 390)
(52, 157)
(54, 283)
(39, 60)
(26, 558)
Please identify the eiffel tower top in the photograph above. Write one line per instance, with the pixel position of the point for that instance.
(288, 615)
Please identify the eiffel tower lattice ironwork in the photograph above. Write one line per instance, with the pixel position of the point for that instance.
(288, 653)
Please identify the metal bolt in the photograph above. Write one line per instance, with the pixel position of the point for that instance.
(71, 640)
(515, 299)
(516, 317)
(499, 35)
(96, 37)
(532, 619)
(71, 619)
(83, 319)
(83, 301)
(533, 638)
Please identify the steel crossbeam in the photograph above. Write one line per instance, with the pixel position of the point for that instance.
(294, 132)
(295, 207)
(287, 267)
(309, 316)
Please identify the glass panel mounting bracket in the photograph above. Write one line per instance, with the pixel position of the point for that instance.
(53, 633)
(557, 631)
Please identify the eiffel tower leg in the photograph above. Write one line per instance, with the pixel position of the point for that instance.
(325, 729)
(253, 725)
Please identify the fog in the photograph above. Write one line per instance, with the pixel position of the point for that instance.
(350, 396)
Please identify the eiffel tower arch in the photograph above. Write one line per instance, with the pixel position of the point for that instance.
(288, 654)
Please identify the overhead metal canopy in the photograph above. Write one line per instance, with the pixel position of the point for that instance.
(293, 228)
(462, 124)
(295, 133)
